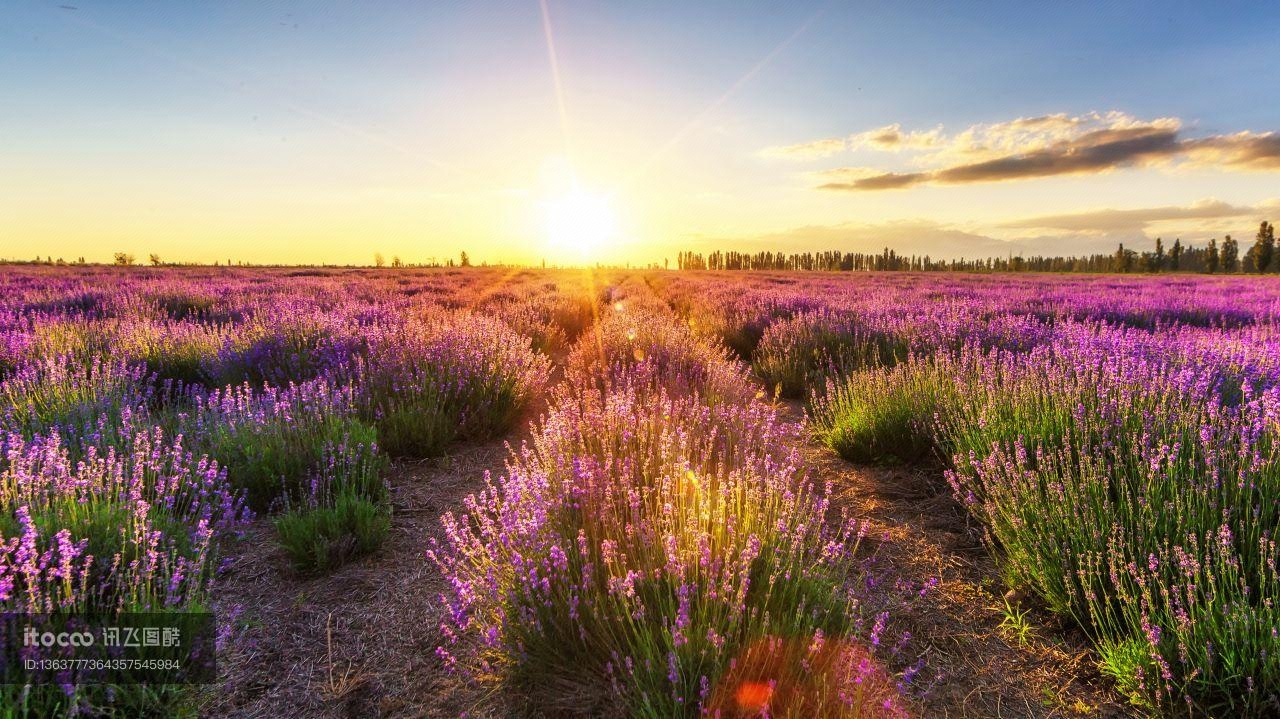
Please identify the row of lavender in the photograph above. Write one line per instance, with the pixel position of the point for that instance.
(145, 415)
(656, 549)
(1117, 438)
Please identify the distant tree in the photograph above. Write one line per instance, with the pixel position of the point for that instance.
(1262, 253)
(124, 259)
(1230, 254)
(395, 261)
(377, 260)
(155, 260)
(1214, 256)
(464, 260)
(1124, 259)
(1267, 240)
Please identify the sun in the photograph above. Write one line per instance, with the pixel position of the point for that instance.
(581, 225)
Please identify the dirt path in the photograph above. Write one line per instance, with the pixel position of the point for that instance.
(359, 642)
(983, 670)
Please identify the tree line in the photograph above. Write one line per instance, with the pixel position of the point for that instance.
(1213, 257)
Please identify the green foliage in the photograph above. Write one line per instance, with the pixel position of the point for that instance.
(274, 460)
(184, 305)
(1013, 620)
(184, 352)
(318, 539)
(415, 425)
(799, 353)
(1103, 484)
(292, 348)
(469, 378)
(61, 394)
(882, 415)
(344, 513)
(628, 556)
(1125, 662)
(117, 701)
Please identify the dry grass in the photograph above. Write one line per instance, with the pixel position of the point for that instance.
(359, 642)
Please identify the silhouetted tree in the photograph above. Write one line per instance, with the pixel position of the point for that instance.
(1230, 254)
(1124, 259)
(1211, 257)
(1260, 255)
(1267, 240)
(464, 260)
(377, 260)
(155, 260)
(124, 259)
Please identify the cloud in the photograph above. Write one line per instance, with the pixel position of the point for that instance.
(1249, 150)
(1032, 134)
(807, 150)
(1047, 146)
(891, 138)
(1112, 220)
(842, 176)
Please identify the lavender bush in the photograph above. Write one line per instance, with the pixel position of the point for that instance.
(657, 553)
(455, 375)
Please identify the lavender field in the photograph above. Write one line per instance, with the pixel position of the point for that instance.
(655, 494)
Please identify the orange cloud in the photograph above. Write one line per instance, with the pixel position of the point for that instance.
(892, 138)
(1136, 220)
(1045, 146)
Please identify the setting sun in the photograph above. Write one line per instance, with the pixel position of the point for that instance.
(580, 224)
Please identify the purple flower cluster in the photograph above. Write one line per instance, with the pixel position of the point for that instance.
(1115, 436)
(444, 376)
(658, 535)
(142, 411)
(99, 533)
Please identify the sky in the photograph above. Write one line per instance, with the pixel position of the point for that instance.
(577, 132)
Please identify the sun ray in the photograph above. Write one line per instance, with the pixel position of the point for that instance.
(555, 77)
(698, 119)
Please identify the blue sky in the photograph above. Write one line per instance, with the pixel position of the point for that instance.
(317, 131)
